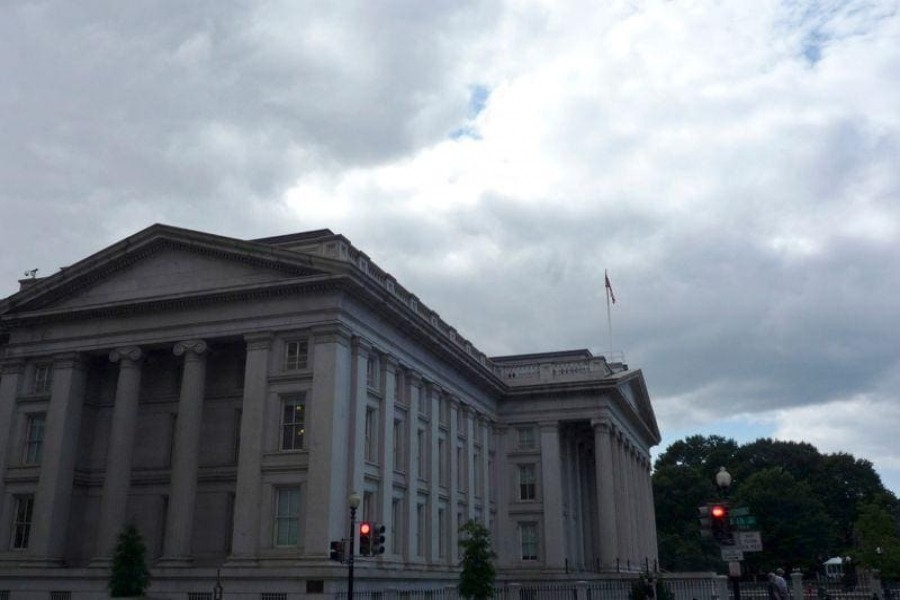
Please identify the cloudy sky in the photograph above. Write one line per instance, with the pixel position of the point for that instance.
(734, 165)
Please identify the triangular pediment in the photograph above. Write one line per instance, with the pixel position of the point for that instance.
(164, 262)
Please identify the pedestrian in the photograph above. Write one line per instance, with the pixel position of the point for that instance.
(777, 587)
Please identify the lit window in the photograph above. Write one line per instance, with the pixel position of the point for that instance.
(296, 353)
(529, 534)
(22, 521)
(292, 421)
(42, 378)
(34, 438)
(287, 516)
(527, 482)
(527, 439)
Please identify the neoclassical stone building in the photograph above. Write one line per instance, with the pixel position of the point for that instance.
(227, 396)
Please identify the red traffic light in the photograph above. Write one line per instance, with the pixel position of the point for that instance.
(365, 528)
(717, 511)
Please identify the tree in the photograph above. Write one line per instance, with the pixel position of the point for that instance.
(476, 580)
(129, 575)
(876, 532)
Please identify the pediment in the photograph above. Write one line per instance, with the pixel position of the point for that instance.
(146, 267)
(168, 272)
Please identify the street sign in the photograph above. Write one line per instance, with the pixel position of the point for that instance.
(749, 541)
(732, 554)
(740, 511)
(744, 523)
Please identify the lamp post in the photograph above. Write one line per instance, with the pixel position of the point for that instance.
(353, 502)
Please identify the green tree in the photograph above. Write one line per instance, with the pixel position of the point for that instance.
(795, 526)
(477, 577)
(878, 545)
(129, 575)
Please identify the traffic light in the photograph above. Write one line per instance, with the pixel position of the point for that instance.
(705, 522)
(337, 551)
(377, 539)
(365, 538)
(720, 524)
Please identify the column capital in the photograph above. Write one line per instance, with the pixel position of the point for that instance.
(333, 332)
(414, 377)
(260, 340)
(130, 353)
(548, 425)
(197, 347)
(68, 360)
(391, 362)
(603, 426)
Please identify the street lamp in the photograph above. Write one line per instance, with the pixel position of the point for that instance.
(723, 480)
(353, 501)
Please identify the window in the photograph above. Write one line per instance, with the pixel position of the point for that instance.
(529, 534)
(398, 386)
(396, 525)
(42, 378)
(423, 454)
(371, 434)
(462, 479)
(527, 482)
(527, 439)
(296, 353)
(442, 528)
(420, 529)
(476, 468)
(461, 428)
(287, 516)
(293, 413)
(399, 457)
(22, 521)
(442, 467)
(368, 506)
(34, 438)
(372, 370)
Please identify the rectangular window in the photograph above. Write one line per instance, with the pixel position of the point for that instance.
(476, 468)
(420, 530)
(462, 478)
(398, 386)
(372, 368)
(296, 354)
(293, 416)
(22, 521)
(368, 506)
(34, 438)
(42, 378)
(397, 525)
(287, 516)
(527, 440)
(529, 534)
(442, 466)
(527, 482)
(442, 536)
(423, 454)
(371, 434)
(399, 445)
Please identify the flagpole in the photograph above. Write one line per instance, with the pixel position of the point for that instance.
(608, 309)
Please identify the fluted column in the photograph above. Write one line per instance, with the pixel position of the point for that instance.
(117, 478)
(551, 494)
(385, 504)
(185, 461)
(245, 537)
(54, 491)
(606, 498)
(623, 523)
(411, 495)
(453, 485)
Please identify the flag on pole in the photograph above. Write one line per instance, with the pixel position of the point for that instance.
(609, 289)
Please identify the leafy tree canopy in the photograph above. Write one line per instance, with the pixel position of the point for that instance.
(129, 575)
(476, 580)
(807, 503)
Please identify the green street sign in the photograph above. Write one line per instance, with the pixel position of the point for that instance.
(740, 511)
(744, 522)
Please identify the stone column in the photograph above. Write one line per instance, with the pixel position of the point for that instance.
(117, 479)
(411, 495)
(604, 441)
(474, 469)
(431, 395)
(185, 461)
(505, 535)
(386, 501)
(10, 381)
(623, 511)
(551, 494)
(327, 488)
(245, 536)
(455, 475)
(54, 491)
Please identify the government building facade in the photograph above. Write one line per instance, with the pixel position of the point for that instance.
(227, 397)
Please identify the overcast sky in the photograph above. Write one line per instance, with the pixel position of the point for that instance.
(734, 165)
